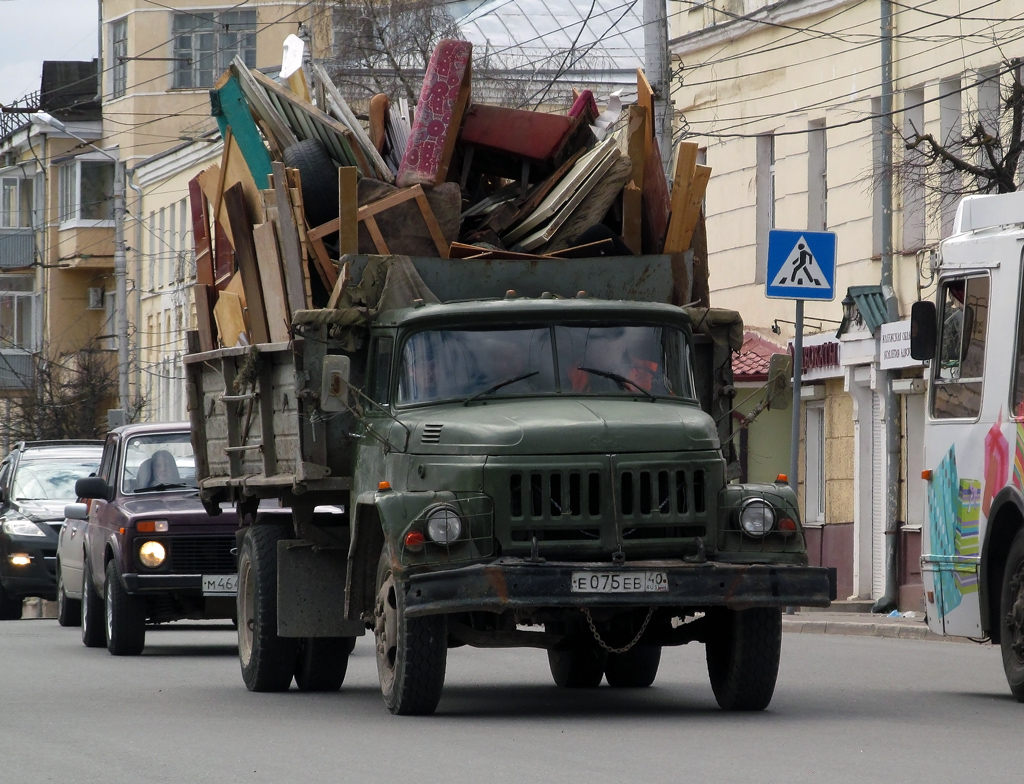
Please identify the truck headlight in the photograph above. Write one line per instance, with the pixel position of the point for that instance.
(152, 554)
(757, 517)
(444, 525)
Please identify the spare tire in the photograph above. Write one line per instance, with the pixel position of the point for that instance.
(319, 176)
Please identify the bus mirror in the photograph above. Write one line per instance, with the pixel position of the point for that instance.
(779, 391)
(922, 330)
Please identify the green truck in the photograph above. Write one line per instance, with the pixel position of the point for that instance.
(498, 453)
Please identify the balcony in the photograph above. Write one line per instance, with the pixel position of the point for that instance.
(17, 369)
(17, 248)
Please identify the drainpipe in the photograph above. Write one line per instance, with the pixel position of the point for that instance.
(138, 284)
(890, 599)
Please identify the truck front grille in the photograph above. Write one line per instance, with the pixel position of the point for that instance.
(202, 554)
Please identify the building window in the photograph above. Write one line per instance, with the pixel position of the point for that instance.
(950, 130)
(15, 203)
(765, 207)
(86, 192)
(817, 177)
(912, 184)
(959, 367)
(814, 462)
(205, 43)
(17, 328)
(119, 55)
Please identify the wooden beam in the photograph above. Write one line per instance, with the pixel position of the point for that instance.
(248, 265)
(269, 262)
(348, 209)
(291, 262)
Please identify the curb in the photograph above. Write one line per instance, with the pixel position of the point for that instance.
(916, 631)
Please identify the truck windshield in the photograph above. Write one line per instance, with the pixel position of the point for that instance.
(648, 361)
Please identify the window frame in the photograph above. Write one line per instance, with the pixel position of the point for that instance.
(69, 193)
(955, 378)
(17, 295)
(191, 73)
(118, 56)
(23, 204)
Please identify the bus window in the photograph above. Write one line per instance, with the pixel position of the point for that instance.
(960, 365)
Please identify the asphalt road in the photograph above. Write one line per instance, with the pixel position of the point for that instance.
(847, 709)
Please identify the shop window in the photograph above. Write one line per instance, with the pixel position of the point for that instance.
(960, 364)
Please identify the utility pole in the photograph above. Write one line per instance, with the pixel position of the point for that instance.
(656, 66)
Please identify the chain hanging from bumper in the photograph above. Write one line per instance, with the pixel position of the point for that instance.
(606, 646)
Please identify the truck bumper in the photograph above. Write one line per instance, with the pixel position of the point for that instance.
(510, 584)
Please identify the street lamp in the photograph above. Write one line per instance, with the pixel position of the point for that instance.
(120, 259)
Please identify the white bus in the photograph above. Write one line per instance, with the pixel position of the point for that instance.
(972, 551)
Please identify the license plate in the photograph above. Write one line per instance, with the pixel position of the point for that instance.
(619, 582)
(220, 584)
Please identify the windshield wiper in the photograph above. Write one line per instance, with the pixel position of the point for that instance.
(621, 381)
(496, 387)
(162, 486)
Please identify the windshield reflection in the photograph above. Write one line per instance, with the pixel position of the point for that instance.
(618, 360)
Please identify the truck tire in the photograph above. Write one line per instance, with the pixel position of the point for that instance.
(743, 655)
(69, 611)
(322, 663)
(319, 176)
(635, 669)
(411, 652)
(267, 661)
(577, 667)
(10, 606)
(1011, 618)
(93, 633)
(125, 616)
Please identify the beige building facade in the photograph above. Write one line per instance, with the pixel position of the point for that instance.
(785, 100)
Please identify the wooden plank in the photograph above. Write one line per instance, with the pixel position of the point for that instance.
(431, 221)
(291, 259)
(691, 212)
(261, 107)
(233, 169)
(686, 162)
(632, 217)
(205, 296)
(232, 110)
(201, 232)
(337, 104)
(645, 98)
(638, 143)
(376, 236)
(348, 208)
(211, 182)
(245, 257)
(223, 256)
(230, 322)
(340, 285)
(269, 262)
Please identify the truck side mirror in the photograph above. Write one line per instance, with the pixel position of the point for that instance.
(76, 512)
(923, 329)
(92, 487)
(334, 392)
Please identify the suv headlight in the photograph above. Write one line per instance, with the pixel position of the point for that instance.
(444, 525)
(757, 517)
(22, 528)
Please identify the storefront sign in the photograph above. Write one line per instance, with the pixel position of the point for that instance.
(820, 357)
(894, 346)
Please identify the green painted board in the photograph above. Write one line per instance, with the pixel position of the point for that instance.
(234, 112)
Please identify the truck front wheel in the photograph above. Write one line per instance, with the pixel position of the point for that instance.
(411, 652)
(743, 655)
(268, 661)
(322, 663)
(635, 669)
(577, 667)
(1011, 615)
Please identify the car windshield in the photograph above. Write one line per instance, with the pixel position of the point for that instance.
(53, 480)
(648, 361)
(158, 462)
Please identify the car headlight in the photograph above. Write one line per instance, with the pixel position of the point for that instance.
(757, 517)
(22, 528)
(444, 525)
(152, 554)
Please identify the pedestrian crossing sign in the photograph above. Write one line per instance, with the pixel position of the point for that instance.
(801, 265)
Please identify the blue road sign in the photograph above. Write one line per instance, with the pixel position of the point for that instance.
(801, 265)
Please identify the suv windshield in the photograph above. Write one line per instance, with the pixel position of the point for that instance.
(53, 480)
(620, 360)
(157, 462)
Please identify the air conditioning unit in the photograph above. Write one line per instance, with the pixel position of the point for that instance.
(95, 299)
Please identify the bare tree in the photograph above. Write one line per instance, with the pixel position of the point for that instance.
(985, 159)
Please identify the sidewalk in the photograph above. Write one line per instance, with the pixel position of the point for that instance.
(862, 624)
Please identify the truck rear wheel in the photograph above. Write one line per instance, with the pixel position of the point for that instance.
(322, 663)
(579, 667)
(743, 655)
(268, 661)
(635, 669)
(125, 616)
(1011, 618)
(411, 652)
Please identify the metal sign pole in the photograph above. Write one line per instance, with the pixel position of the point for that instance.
(798, 369)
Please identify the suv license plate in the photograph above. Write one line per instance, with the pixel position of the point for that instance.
(619, 582)
(220, 584)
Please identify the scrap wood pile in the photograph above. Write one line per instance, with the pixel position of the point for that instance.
(302, 185)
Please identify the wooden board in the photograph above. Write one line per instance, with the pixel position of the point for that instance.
(655, 203)
(274, 298)
(632, 217)
(230, 321)
(685, 212)
(638, 143)
(645, 98)
(211, 182)
(201, 232)
(245, 257)
(233, 112)
(205, 296)
(291, 251)
(348, 209)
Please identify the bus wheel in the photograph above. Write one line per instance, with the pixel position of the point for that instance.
(1011, 613)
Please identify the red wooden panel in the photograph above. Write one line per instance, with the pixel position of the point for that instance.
(200, 232)
(531, 135)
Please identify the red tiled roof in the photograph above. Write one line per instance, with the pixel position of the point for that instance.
(751, 363)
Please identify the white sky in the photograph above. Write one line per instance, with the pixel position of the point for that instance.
(35, 30)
